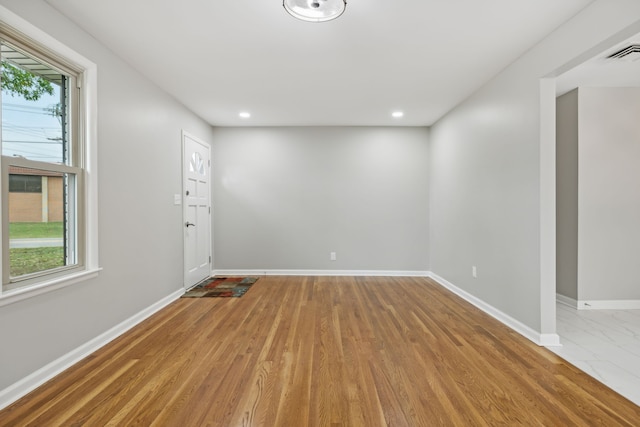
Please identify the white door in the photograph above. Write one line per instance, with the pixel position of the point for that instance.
(197, 210)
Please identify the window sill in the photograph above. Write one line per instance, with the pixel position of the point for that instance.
(20, 294)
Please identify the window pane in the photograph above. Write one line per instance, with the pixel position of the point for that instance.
(34, 108)
(25, 184)
(40, 228)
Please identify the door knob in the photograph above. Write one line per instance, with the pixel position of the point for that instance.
(188, 224)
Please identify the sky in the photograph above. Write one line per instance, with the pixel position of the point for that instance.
(29, 130)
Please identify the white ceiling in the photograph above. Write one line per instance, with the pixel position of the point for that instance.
(220, 57)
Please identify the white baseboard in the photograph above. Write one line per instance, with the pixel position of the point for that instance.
(608, 304)
(568, 301)
(550, 340)
(373, 273)
(598, 304)
(44, 374)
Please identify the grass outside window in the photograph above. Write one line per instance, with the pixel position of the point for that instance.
(31, 260)
(35, 230)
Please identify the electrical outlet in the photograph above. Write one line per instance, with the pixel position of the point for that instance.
(474, 271)
(332, 256)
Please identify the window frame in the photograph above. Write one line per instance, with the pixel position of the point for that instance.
(34, 41)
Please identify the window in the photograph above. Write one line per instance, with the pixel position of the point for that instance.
(48, 209)
(25, 184)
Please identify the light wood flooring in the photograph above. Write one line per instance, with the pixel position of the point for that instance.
(323, 351)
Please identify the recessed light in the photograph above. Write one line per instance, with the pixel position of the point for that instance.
(245, 115)
(397, 114)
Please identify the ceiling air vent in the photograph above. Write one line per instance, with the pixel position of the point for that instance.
(629, 53)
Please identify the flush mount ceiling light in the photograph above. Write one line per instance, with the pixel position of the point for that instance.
(397, 114)
(315, 10)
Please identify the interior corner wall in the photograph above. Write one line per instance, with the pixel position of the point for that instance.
(285, 197)
(140, 228)
(567, 194)
(485, 171)
(609, 194)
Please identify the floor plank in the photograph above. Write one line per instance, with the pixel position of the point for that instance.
(323, 351)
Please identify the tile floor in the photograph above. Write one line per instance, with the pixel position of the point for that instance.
(603, 343)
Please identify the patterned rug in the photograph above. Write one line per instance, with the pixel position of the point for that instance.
(233, 287)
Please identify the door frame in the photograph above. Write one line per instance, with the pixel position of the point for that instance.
(184, 136)
(547, 145)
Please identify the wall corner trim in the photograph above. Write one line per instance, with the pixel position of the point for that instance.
(519, 327)
(47, 372)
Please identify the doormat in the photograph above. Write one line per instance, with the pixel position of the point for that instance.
(223, 287)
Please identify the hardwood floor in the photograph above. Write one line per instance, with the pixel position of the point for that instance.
(323, 351)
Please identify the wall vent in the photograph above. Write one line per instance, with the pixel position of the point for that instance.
(629, 53)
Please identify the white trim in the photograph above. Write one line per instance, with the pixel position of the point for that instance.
(547, 167)
(516, 325)
(549, 340)
(621, 304)
(373, 273)
(90, 93)
(18, 294)
(563, 299)
(44, 374)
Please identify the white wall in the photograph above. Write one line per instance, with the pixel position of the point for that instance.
(609, 194)
(485, 176)
(139, 149)
(567, 194)
(286, 197)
